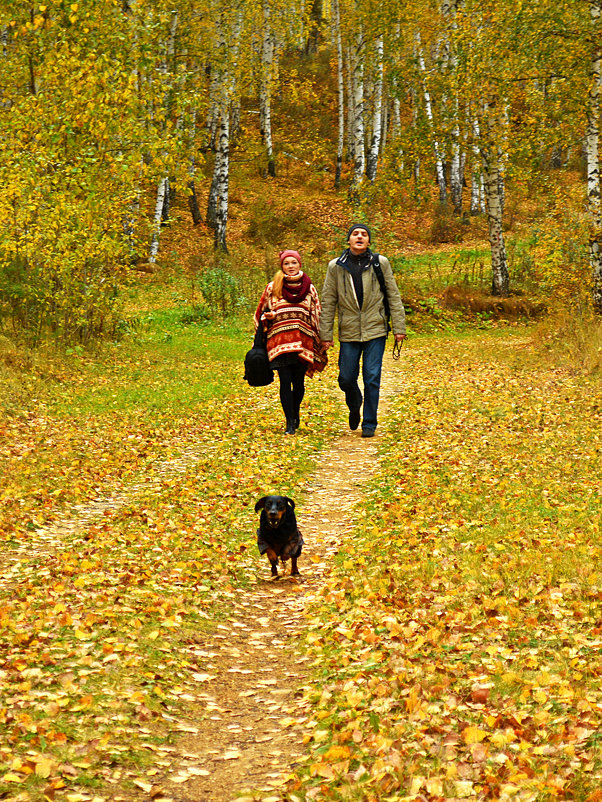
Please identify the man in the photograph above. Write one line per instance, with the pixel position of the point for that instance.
(352, 289)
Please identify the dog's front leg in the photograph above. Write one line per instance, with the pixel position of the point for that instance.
(273, 558)
(294, 569)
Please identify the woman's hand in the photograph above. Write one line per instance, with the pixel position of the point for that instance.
(269, 315)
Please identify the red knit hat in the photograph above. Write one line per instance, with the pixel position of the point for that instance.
(295, 254)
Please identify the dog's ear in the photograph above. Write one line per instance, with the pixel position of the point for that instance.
(260, 504)
(290, 501)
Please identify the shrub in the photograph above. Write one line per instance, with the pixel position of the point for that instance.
(221, 292)
(446, 226)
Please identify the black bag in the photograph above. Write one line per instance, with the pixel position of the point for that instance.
(258, 371)
(381, 280)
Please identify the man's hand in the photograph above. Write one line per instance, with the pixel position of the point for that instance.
(399, 338)
(327, 344)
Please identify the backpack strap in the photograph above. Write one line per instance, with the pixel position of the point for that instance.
(381, 280)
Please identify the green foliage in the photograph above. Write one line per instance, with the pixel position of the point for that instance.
(561, 271)
(221, 292)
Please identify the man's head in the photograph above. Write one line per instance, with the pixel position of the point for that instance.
(358, 238)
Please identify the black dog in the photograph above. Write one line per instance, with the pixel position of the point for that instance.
(278, 535)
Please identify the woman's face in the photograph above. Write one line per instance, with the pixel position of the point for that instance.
(290, 266)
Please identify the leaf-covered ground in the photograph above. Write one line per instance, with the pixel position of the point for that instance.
(454, 641)
(458, 644)
(102, 609)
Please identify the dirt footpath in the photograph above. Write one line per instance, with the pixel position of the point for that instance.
(250, 734)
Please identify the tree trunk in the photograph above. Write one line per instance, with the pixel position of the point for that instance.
(357, 82)
(193, 204)
(429, 113)
(162, 191)
(384, 124)
(341, 92)
(500, 279)
(315, 27)
(221, 177)
(593, 159)
(477, 199)
(456, 173)
(193, 201)
(349, 105)
(372, 163)
(166, 200)
(265, 87)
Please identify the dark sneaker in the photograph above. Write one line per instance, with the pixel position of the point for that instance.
(367, 432)
(354, 419)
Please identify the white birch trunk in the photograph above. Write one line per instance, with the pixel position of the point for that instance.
(222, 176)
(455, 178)
(162, 189)
(374, 150)
(341, 91)
(593, 158)
(477, 195)
(429, 113)
(265, 87)
(357, 83)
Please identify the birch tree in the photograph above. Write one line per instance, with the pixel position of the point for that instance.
(440, 171)
(477, 184)
(490, 153)
(456, 178)
(217, 205)
(265, 86)
(377, 121)
(357, 113)
(593, 154)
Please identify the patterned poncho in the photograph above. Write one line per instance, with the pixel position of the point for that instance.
(295, 327)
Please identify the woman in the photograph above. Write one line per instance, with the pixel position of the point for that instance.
(289, 311)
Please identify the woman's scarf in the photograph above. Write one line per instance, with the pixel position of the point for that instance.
(295, 288)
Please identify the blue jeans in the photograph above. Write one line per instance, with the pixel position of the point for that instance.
(371, 352)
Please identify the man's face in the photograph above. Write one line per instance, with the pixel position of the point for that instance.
(358, 240)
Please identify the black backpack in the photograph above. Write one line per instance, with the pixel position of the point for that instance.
(258, 371)
(381, 280)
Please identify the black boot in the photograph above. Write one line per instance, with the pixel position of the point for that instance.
(290, 426)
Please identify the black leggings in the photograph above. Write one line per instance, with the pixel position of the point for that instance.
(292, 388)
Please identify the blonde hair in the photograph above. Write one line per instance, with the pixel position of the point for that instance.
(277, 283)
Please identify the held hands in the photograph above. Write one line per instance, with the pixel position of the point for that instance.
(327, 344)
